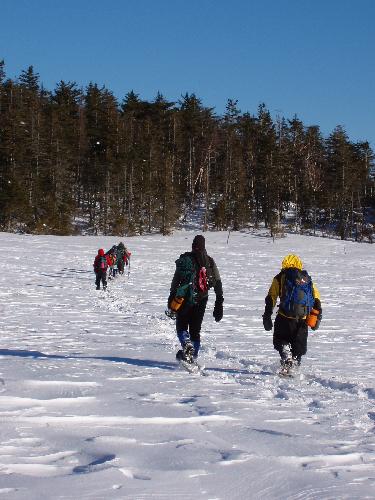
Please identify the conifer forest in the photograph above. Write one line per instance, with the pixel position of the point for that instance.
(76, 160)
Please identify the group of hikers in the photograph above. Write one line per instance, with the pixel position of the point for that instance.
(113, 261)
(196, 272)
(299, 304)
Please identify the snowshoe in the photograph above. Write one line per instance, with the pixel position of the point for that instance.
(286, 367)
(186, 354)
(289, 367)
(187, 362)
(188, 351)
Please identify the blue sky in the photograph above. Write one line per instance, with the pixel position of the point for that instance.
(313, 58)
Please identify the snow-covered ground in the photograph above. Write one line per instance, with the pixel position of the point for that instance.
(93, 405)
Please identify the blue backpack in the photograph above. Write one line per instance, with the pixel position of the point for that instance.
(297, 297)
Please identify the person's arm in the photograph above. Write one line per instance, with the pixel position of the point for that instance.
(274, 291)
(126, 256)
(176, 280)
(218, 289)
(270, 303)
(318, 306)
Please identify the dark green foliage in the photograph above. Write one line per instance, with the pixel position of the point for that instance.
(76, 159)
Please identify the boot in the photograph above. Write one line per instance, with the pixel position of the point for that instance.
(286, 356)
(188, 352)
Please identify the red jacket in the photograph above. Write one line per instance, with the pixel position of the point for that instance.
(100, 262)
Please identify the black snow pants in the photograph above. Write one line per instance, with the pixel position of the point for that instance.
(120, 266)
(190, 320)
(101, 276)
(290, 331)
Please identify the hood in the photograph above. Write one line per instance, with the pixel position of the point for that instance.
(291, 260)
(199, 243)
(101, 252)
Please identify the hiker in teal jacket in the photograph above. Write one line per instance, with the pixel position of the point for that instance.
(195, 273)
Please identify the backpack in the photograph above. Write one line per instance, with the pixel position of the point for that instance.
(102, 264)
(194, 280)
(297, 297)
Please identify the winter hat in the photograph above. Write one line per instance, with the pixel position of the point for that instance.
(199, 243)
(292, 260)
(101, 252)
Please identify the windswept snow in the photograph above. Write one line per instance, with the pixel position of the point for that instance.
(94, 406)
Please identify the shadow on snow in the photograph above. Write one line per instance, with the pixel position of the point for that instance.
(148, 363)
(129, 361)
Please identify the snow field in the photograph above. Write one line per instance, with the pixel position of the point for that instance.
(93, 404)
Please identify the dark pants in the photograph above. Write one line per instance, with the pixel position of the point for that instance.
(120, 266)
(189, 323)
(290, 331)
(101, 276)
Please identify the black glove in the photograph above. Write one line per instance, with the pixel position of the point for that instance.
(316, 327)
(267, 322)
(218, 309)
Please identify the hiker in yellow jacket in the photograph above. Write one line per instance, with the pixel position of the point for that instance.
(298, 298)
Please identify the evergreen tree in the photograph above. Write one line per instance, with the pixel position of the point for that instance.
(267, 188)
(65, 154)
(339, 159)
(136, 167)
(314, 168)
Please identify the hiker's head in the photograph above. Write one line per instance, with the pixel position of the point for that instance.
(199, 243)
(101, 252)
(292, 260)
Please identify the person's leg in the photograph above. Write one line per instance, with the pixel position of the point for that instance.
(97, 281)
(195, 325)
(282, 336)
(120, 267)
(182, 326)
(104, 280)
(299, 341)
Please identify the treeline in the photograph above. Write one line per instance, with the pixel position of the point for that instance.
(74, 158)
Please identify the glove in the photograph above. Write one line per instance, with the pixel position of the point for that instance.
(316, 327)
(267, 322)
(218, 309)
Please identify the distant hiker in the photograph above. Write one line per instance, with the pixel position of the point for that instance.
(111, 256)
(123, 257)
(100, 269)
(299, 305)
(195, 273)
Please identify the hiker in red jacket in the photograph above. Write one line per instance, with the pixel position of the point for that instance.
(100, 269)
